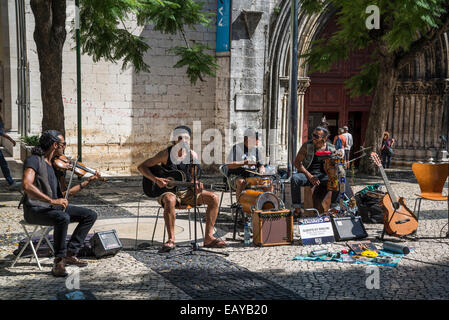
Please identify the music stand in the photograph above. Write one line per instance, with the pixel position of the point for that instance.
(194, 245)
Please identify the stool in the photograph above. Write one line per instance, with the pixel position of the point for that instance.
(226, 187)
(308, 200)
(188, 207)
(38, 229)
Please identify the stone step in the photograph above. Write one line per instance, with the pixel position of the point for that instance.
(15, 166)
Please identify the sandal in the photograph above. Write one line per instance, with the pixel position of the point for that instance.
(217, 243)
(167, 248)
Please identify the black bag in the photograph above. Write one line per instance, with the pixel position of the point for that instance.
(370, 206)
(44, 250)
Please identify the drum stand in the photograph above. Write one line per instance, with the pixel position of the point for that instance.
(194, 245)
(238, 210)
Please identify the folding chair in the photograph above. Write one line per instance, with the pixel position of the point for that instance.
(38, 229)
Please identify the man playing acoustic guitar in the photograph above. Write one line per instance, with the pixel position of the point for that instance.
(177, 157)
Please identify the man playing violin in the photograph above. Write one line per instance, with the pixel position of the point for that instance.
(44, 201)
(177, 157)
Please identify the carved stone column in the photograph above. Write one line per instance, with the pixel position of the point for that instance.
(303, 84)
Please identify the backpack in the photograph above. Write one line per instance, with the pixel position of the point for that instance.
(338, 143)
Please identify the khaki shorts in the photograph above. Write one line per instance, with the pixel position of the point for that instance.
(183, 197)
(232, 179)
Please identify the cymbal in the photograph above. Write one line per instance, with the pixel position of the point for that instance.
(259, 174)
(362, 149)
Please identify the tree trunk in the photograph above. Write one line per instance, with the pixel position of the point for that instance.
(50, 35)
(382, 102)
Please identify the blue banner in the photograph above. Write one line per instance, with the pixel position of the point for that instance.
(223, 25)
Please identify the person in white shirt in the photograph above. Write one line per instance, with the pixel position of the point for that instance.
(243, 157)
(349, 143)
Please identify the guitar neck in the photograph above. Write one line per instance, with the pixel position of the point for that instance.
(188, 184)
(390, 191)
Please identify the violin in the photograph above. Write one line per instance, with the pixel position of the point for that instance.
(63, 163)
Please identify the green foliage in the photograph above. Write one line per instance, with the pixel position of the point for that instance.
(30, 140)
(365, 82)
(403, 23)
(169, 17)
(104, 34)
(197, 62)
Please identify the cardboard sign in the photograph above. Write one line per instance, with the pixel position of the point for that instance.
(316, 230)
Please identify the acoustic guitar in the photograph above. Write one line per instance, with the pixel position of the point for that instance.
(398, 219)
(177, 179)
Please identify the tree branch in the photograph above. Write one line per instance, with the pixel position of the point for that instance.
(422, 43)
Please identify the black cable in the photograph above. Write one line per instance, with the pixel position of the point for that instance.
(426, 262)
(443, 228)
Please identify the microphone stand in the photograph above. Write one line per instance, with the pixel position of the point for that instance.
(447, 149)
(194, 245)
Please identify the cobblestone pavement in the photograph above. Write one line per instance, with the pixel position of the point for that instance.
(247, 273)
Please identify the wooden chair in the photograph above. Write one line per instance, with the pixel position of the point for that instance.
(431, 179)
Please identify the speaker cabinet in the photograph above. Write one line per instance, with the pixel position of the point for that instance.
(272, 228)
(348, 228)
(105, 243)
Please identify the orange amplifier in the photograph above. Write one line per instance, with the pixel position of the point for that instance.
(272, 227)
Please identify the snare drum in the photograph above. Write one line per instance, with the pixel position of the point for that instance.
(258, 200)
(259, 183)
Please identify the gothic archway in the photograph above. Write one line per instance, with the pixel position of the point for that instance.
(422, 91)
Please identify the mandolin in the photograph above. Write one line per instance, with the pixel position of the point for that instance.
(398, 219)
(177, 179)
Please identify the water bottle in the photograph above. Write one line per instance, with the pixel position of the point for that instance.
(247, 235)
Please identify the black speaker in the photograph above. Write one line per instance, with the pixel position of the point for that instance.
(105, 243)
(348, 228)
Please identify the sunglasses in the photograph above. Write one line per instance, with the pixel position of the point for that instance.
(62, 143)
(316, 136)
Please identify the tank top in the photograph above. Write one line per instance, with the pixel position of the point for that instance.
(184, 167)
(317, 165)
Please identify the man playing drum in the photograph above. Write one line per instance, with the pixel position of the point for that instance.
(242, 158)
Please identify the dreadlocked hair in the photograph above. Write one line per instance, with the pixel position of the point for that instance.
(46, 141)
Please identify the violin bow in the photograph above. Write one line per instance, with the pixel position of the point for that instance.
(70, 181)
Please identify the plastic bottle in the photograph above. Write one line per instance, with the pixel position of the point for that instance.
(247, 235)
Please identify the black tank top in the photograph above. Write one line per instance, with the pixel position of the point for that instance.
(317, 165)
(184, 167)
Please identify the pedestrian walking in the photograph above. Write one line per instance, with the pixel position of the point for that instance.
(386, 150)
(349, 143)
(3, 164)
